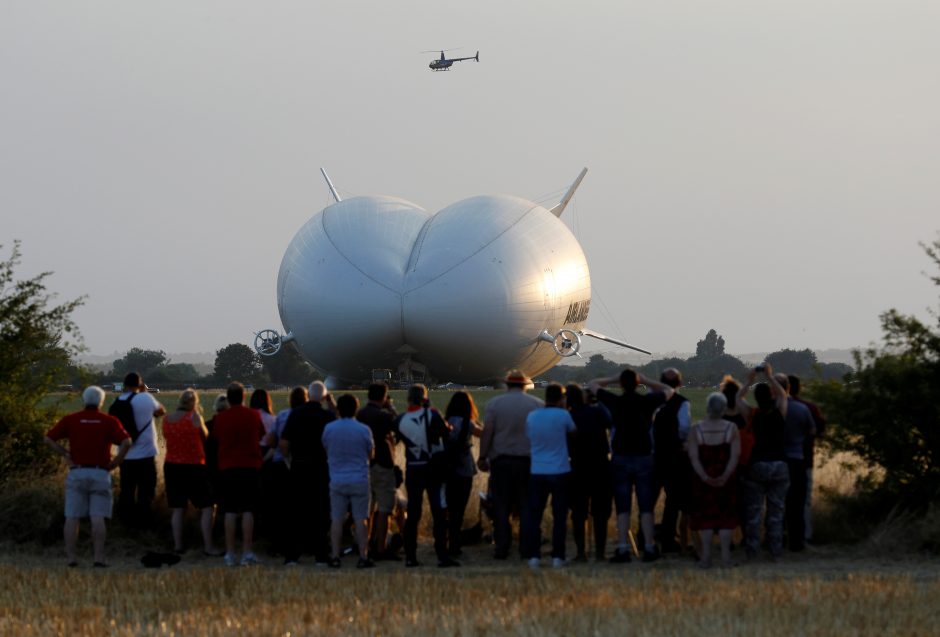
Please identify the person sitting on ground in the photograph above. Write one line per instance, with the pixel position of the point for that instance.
(592, 489)
(767, 477)
(548, 429)
(462, 416)
(90, 434)
(184, 469)
(238, 432)
(714, 448)
(349, 449)
(422, 430)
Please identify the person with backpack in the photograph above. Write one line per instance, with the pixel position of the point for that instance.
(137, 409)
(423, 431)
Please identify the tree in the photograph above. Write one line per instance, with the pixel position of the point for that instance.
(712, 346)
(238, 362)
(889, 411)
(791, 361)
(142, 361)
(37, 341)
(288, 367)
(172, 374)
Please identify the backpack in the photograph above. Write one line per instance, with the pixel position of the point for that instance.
(124, 411)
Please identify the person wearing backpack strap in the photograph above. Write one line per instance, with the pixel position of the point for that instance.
(138, 472)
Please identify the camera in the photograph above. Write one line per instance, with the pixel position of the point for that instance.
(760, 367)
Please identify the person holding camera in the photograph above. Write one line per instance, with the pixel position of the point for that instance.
(767, 478)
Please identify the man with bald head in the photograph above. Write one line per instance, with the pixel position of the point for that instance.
(302, 443)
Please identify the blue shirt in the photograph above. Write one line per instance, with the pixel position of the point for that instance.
(348, 444)
(548, 429)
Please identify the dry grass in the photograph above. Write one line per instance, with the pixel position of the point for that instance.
(39, 597)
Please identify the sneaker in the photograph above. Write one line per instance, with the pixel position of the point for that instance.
(230, 560)
(558, 562)
(651, 556)
(448, 562)
(334, 562)
(250, 559)
(535, 563)
(620, 557)
(365, 562)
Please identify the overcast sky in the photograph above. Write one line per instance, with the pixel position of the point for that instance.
(762, 168)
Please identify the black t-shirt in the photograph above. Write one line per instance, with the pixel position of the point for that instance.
(382, 423)
(304, 432)
(666, 427)
(633, 419)
(769, 436)
(591, 445)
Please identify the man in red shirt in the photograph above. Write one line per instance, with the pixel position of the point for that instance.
(88, 486)
(238, 432)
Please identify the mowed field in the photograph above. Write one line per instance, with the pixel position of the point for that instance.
(829, 590)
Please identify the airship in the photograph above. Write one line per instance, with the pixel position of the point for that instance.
(378, 287)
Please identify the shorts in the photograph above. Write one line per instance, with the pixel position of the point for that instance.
(633, 472)
(383, 488)
(350, 497)
(88, 493)
(186, 483)
(240, 490)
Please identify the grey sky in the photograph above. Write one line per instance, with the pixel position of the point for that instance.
(763, 168)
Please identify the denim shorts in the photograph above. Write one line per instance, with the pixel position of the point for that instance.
(350, 497)
(633, 472)
(88, 493)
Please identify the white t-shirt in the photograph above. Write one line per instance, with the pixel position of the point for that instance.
(144, 405)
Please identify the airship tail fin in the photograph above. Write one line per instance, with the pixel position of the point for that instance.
(561, 205)
(329, 183)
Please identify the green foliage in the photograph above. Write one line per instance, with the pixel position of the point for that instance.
(142, 361)
(712, 346)
(790, 361)
(288, 367)
(889, 411)
(175, 374)
(37, 342)
(238, 362)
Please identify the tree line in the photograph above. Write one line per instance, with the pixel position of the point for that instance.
(707, 367)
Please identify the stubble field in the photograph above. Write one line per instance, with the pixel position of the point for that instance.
(830, 590)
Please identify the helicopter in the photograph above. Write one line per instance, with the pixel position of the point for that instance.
(444, 64)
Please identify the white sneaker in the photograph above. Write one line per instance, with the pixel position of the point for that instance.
(230, 559)
(535, 563)
(557, 562)
(250, 559)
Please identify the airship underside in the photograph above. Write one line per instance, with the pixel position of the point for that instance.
(487, 284)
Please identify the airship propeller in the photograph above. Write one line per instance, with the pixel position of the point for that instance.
(269, 342)
(565, 343)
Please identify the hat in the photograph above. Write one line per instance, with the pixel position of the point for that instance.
(516, 377)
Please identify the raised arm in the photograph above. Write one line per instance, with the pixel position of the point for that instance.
(780, 394)
(598, 383)
(741, 399)
(656, 386)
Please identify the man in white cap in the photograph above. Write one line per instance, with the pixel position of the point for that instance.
(505, 452)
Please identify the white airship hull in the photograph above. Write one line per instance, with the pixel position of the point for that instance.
(371, 282)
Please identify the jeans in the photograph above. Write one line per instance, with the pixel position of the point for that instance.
(633, 472)
(457, 491)
(540, 487)
(418, 480)
(796, 504)
(765, 481)
(138, 486)
(509, 485)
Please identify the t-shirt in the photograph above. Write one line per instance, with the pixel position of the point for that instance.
(348, 444)
(547, 429)
(633, 420)
(769, 436)
(238, 431)
(183, 441)
(90, 434)
(382, 423)
(504, 424)
(799, 425)
(144, 404)
(591, 446)
(304, 432)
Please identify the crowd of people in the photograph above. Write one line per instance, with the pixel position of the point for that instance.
(323, 467)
